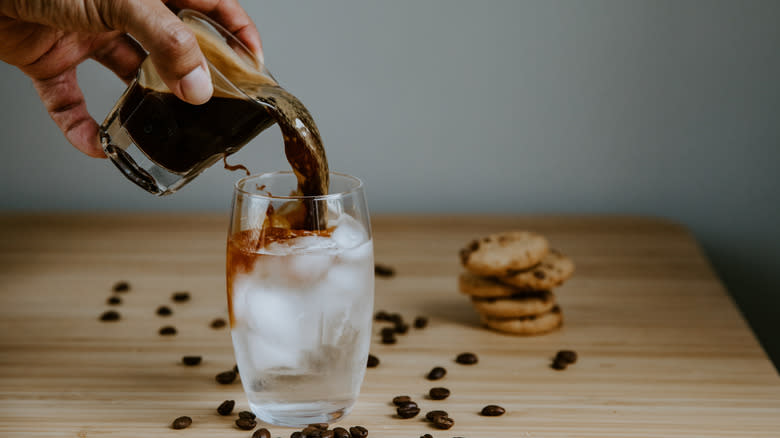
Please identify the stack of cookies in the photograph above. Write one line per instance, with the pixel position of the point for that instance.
(510, 277)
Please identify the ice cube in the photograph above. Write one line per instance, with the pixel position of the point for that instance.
(349, 233)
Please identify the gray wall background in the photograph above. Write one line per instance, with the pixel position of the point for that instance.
(665, 108)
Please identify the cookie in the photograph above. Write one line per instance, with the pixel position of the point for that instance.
(485, 287)
(527, 325)
(517, 305)
(554, 269)
(498, 253)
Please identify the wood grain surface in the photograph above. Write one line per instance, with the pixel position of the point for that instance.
(663, 350)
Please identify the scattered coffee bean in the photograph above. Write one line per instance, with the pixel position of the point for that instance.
(164, 311)
(296, 435)
(246, 423)
(114, 301)
(218, 323)
(121, 286)
(401, 399)
(226, 377)
(409, 404)
(191, 360)
(235, 369)
(340, 432)
(401, 328)
(373, 361)
(493, 411)
(467, 359)
(396, 318)
(430, 415)
(389, 340)
(438, 393)
(427, 435)
(110, 315)
(420, 322)
(358, 432)
(310, 431)
(408, 410)
(226, 407)
(443, 422)
(559, 365)
(180, 297)
(261, 433)
(247, 414)
(381, 316)
(436, 373)
(181, 422)
(320, 426)
(567, 356)
(327, 434)
(168, 330)
(383, 270)
(387, 331)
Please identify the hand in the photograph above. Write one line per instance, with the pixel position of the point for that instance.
(48, 39)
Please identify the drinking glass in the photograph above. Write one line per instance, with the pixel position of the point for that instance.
(300, 299)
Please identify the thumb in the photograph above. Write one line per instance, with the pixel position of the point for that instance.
(172, 46)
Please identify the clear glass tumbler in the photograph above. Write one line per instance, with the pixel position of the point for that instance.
(300, 300)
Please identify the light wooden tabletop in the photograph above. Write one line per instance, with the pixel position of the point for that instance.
(663, 352)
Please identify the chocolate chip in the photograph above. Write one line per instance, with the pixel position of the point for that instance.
(226, 407)
(226, 377)
(168, 330)
(409, 410)
(246, 423)
(261, 433)
(373, 361)
(436, 373)
(164, 311)
(467, 359)
(121, 286)
(181, 422)
(247, 414)
(401, 399)
(465, 253)
(114, 301)
(191, 360)
(218, 323)
(340, 432)
(358, 432)
(180, 297)
(420, 322)
(493, 411)
(110, 315)
(539, 274)
(383, 270)
(568, 356)
(432, 414)
(443, 422)
(438, 393)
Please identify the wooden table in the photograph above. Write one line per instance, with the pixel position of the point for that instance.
(663, 350)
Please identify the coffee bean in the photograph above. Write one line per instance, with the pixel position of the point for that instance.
(387, 331)
(381, 316)
(121, 286)
(310, 431)
(389, 340)
(409, 404)
(430, 415)
(373, 361)
(226, 407)
(443, 422)
(438, 393)
(168, 330)
(235, 369)
(493, 411)
(401, 328)
(226, 377)
(218, 323)
(261, 433)
(320, 426)
(340, 432)
(327, 434)
(558, 364)
(383, 270)
(296, 435)
(420, 322)
(114, 301)
(395, 318)
(181, 422)
(467, 359)
(567, 356)
(180, 297)
(110, 315)
(401, 399)
(247, 414)
(408, 410)
(436, 373)
(164, 311)
(191, 360)
(358, 432)
(246, 423)
(427, 435)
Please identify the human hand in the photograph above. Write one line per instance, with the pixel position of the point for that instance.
(48, 39)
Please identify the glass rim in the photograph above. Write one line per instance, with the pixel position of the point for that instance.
(239, 187)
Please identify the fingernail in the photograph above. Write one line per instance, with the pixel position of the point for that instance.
(196, 86)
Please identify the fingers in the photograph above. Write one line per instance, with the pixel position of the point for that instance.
(119, 53)
(230, 15)
(65, 103)
(172, 46)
